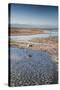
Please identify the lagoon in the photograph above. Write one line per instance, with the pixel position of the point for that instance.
(29, 37)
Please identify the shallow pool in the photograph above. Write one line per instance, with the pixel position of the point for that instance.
(29, 37)
(31, 67)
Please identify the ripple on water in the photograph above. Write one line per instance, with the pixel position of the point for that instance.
(31, 67)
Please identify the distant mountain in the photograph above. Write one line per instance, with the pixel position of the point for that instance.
(22, 26)
(32, 26)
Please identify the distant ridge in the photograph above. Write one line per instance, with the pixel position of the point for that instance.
(32, 26)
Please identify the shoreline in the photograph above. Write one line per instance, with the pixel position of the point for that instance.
(46, 45)
(26, 31)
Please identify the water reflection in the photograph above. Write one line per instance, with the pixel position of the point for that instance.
(31, 67)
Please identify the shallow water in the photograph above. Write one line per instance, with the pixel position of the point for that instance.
(31, 67)
(29, 37)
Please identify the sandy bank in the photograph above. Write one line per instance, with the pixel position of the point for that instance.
(26, 31)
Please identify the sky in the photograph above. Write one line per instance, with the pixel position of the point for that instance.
(35, 15)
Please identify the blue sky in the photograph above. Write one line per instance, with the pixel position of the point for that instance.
(34, 15)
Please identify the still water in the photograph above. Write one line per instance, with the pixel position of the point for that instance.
(29, 37)
(31, 67)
